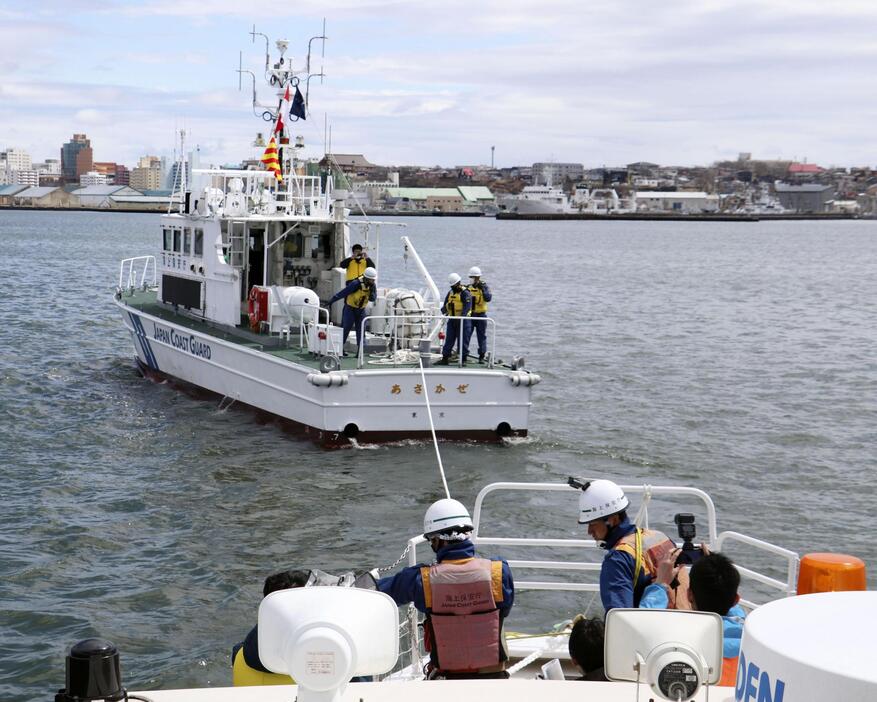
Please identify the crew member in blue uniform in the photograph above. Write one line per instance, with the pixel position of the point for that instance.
(357, 294)
(632, 553)
(356, 264)
(480, 297)
(465, 598)
(458, 303)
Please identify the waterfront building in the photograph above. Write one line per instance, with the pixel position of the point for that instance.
(43, 196)
(148, 174)
(27, 177)
(100, 195)
(92, 178)
(350, 164)
(680, 202)
(556, 173)
(7, 192)
(804, 198)
(16, 160)
(76, 158)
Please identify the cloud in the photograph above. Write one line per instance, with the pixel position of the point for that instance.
(442, 82)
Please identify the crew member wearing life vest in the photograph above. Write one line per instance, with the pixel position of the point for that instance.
(480, 297)
(465, 598)
(357, 294)
(632, 554)
(713, 584)
(356, 264)
(458, 303)
(247, 668)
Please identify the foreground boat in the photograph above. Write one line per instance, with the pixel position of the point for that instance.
(795, 647)
(237, 304)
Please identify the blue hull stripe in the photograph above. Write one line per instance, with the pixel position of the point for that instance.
(143, 340)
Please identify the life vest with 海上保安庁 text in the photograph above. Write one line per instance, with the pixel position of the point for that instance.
(462, 600)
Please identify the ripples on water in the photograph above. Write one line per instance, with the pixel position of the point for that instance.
(734, 357)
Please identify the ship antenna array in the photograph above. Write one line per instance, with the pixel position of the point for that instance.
(438, 454)
(282, 73)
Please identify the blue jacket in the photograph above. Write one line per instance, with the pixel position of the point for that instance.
(407, 585)
(351, 288)
(616, 574)
(655, 597)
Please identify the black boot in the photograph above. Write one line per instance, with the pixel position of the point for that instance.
(443, 362)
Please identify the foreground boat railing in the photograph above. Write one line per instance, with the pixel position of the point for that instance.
(133, 273)
(715, 540)
(425, 319)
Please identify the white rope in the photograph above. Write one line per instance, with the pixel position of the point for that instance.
(642, 516)
(438, 455)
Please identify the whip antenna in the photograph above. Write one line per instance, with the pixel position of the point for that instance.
(438, 455)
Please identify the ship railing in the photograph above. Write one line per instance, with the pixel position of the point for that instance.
(560, 567)
(319, 328)
(303, 195)
(425, 318)
(298, 194)
(134, 273)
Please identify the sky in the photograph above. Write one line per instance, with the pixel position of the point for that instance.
(438, 83)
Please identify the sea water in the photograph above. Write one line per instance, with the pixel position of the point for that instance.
(734, 357)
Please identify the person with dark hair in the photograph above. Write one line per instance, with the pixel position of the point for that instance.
(247, 668)
(586, 647)
(465, 598)
(713, 584)
(632, 553)
(355, 265)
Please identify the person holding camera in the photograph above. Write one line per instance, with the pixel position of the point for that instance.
(480, 297)
(632, 554)
(355, 265)
(713, 584)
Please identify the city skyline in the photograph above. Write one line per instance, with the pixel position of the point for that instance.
(411, 84)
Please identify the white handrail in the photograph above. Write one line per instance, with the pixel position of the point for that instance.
(427, 317)
(130, 264)
(792, 562)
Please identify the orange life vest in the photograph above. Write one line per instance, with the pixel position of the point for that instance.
(649, 548)
(463, 627)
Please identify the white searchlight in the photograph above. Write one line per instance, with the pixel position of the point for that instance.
(675, 652)
(324, 636)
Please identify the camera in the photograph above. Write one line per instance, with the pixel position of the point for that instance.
(690, 553)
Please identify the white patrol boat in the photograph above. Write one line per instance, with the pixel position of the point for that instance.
(236, 303)
(796, 647)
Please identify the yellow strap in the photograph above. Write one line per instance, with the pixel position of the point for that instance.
(638, 557)
(427, 588)
(496, 580)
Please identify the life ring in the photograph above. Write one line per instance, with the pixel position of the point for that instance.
(255, 313)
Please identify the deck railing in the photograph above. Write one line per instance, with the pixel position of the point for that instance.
(426, 319)
(715, 540)
(134, 272)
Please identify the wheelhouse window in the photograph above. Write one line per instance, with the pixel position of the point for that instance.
(177, 238)
(168, 240)
(198, 249)
(187, 240)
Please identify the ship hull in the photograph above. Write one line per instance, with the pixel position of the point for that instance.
(374, 405)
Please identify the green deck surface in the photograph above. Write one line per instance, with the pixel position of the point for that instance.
(145, 301)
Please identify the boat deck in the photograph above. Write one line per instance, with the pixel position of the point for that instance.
(146, 302)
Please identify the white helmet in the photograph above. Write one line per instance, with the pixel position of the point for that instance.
(475, 272)
(446, 515)
(600, 499)
(453, 279)
(370, 273)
